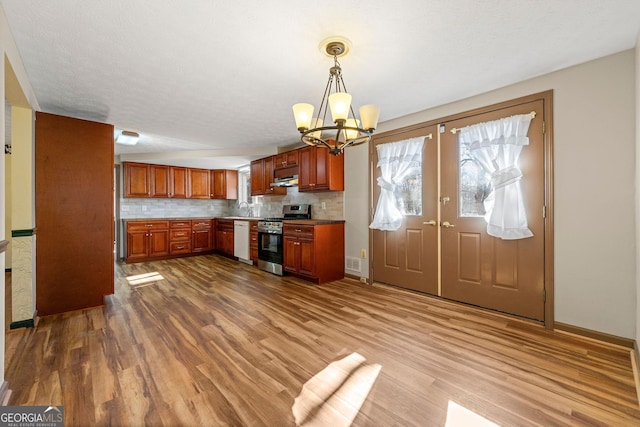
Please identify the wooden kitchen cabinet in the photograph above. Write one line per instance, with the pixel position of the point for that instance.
(286, 159)
(179, 237)
(147, 239)
(202, 235)
(224, 236)
(314, 252)
(178, 182)
(262, 176)
(224, 184)
(253, 241)
(137, 180)
(159, 179)
(144, 180)
(198, 184)
(320, 171)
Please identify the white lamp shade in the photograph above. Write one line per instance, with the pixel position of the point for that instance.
(317, 123)
(339, 103)
(303, 114)
(369, 115)
(351, 134)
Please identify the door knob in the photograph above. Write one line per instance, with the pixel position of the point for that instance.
(432, 222)
(446, 224)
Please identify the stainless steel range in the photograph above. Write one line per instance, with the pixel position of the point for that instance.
(270, 248)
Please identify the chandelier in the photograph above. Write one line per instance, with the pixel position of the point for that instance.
(347, 130)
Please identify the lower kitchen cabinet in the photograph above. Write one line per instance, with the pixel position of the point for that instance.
(180, 237)
(224, 237)
(253, 241)
(160, 239)
(314, 252)
(147, 239)
(202, 236)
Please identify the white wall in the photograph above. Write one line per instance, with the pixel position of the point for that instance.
(637, 70)
(594, 167)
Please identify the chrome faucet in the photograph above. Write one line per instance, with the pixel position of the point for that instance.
(246, 205)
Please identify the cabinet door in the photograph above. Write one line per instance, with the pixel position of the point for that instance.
(158, 242)
(137, 244)
(201, 240)
(286, 159)
(291, 254)
(322, 169)
(198, 187)
(178, 182)
(159, 181)
(257, 177)
(136, 179)
(306, 169)
(218, 184)
(268, 177)
(228, 243)
(307, 257)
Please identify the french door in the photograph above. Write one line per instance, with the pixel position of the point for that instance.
(445, 249)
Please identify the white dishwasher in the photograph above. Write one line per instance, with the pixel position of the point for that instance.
(241, 241)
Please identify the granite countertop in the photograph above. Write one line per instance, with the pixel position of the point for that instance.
(313, 221)
(168, 219)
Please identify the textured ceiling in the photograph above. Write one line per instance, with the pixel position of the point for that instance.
(212, 75)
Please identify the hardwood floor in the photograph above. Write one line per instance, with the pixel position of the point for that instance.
(216, 342)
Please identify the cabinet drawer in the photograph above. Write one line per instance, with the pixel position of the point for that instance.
(147, 225)
(298, 230)
(180, 247)
(180, 224)
(180, 235)
(201, 223)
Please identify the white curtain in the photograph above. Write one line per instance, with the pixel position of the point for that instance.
(395, 160)
(496, 146)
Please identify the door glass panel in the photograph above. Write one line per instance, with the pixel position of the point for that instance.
(409, 193)
(474, 185)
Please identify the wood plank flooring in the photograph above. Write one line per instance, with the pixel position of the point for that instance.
(216, 342)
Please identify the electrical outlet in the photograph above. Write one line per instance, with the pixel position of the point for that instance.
(323, 205)
(363, 253)
(144, 208)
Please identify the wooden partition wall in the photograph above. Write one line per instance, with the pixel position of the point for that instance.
(74, 213)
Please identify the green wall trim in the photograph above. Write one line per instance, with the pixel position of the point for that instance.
(23, 233)
(29, 323)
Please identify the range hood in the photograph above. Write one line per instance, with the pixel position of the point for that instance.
(285, 181)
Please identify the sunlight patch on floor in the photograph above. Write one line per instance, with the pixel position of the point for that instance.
(333, 396)
(144, 279)
(459, 416)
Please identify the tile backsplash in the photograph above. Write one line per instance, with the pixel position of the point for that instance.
(173, 208)
(324, 205)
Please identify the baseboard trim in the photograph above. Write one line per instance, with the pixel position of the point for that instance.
(29, 323)
(600, 336)
(5, 394)
(358, 278)
(635, 365)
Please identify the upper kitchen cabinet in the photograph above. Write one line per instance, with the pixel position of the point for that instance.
(137, 180)
(224, 184)
(286, 159)
(159, 179)
(262, 177)
(178, 182)
(198, 184)
(319, 170)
